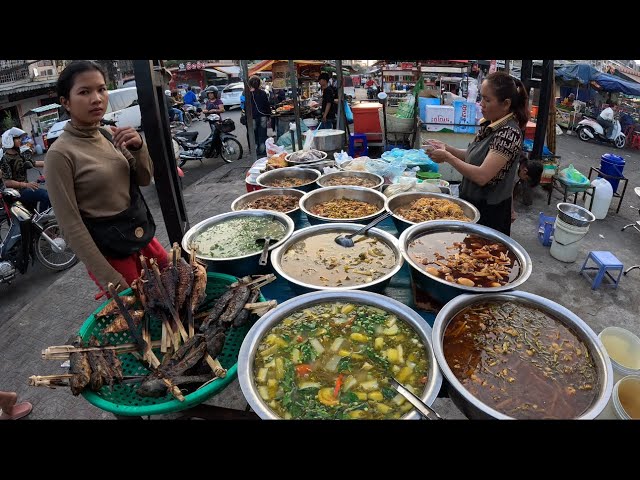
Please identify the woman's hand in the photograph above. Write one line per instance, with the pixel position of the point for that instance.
(431, 145)
(440, 156)
(126, 137)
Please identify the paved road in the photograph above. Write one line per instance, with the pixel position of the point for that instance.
(25, 287)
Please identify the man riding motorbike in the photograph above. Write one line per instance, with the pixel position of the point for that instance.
(174, 113)
(14, 171)
(606, 120)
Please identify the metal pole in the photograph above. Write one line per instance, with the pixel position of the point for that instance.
(340, 125)
(293, 81)
(157, 134)
(543, 108)
(507, 68)
(249, 111)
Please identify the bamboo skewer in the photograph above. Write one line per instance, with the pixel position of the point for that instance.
(263, 278)
(261, 305)
(125, 313)
(163, 292)
(50, 380)
(62, 352)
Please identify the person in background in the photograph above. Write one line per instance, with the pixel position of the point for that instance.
(261, 112)
(14, 172)
(529, 174)
(489, 165)
(10, 409)
(329, 107)
(174, 113)
(191, 99)
(94, 176)
(568, 101)
(214, 104)
(606, 120)
(177, 96)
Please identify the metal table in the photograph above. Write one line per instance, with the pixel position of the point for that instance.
(609, 177)
(558, 184)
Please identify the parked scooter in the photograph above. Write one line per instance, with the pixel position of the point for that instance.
(221, 142)
(589, 128)
(26, 235)
(372, 92)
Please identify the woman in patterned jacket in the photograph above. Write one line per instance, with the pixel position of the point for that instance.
(490, 163)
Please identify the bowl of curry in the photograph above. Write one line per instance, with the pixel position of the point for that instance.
(342, 204)
(517, 355)
(311, 260)
(330, 355)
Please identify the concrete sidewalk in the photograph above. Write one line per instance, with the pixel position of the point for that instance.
(52, 317)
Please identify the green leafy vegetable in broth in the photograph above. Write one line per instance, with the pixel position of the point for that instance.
(334, 361)
(237, 236)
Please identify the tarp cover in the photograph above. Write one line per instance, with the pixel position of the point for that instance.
(584, 73)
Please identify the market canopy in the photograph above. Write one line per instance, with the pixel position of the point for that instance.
(44, 108)
(267, 64)
(583, 73)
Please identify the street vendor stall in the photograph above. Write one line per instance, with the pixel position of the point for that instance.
(42, 118)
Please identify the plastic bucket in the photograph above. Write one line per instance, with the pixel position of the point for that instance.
(566, 241)
(624, 403)
(623, 348)
(611, 164)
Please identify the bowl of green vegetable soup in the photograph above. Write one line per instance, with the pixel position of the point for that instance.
(330, 355)
(229, 242)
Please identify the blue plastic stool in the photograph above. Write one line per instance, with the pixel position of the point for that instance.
(361, 150)
(606, 261)
(546, 227)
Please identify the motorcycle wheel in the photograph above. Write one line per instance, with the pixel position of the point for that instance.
(231, 150)
(45, 254)
(620, 141)
(187, 118)
(582, 134)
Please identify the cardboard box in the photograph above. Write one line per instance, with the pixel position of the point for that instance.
(464, 113)
(442, 115)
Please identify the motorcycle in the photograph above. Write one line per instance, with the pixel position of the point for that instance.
(372, 92)
(589, 128)
(26, 235)
(221, 142)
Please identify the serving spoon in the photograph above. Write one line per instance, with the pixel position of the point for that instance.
(425, 410)
(347, 240)
(265, 251)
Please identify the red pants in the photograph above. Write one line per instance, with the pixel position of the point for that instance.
(130, 267)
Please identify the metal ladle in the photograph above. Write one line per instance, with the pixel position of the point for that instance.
(347, 240)
(265, 251)
(425, 410)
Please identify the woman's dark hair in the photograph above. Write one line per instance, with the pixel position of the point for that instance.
(68, 75)
(505, 86)
(534, 172)
(254, 81)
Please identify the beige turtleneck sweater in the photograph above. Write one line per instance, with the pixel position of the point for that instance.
(87, 175)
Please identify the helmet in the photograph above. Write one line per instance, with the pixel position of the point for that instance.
(213, 117)
(167, 93)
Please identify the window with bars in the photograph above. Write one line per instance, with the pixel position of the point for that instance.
(13, 70)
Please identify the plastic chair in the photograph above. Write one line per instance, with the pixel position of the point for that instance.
(362, 149)
(605, 261)
(546, 227)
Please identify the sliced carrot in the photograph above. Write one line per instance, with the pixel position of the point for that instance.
(336, 390)
(303, 369)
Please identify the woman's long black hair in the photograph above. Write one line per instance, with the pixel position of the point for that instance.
(505, 86)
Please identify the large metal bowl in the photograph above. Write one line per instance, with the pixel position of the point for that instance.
(243, 265)
(438, 288)
(250, 344)
(474, 408)
(243, 200)
(308, 174)
(291, 158)
(574, 214)
(324, 179)
(325, 194)
(404, 199)
(301, 287)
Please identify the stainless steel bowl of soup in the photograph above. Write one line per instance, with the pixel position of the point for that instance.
(411, 208)
(330, 355)
(342, 205)
(227, 243)
(311, 260)
(448, 258)
(356, 179)
(289, 177)
(517, 355)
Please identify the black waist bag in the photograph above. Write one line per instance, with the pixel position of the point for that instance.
(124, 233)
(120, 235)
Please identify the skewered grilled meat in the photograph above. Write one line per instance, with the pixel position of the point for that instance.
(169, 277)
(199, 286)
(217, 309)
(100, 371)
(215, 338)
(156, 387)
(111, 308)
(115, 365)
(185, 282)
(80, 368)
(119, 324)
(236, 304)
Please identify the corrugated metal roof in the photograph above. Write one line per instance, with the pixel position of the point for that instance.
(25, 87)
(44, 108)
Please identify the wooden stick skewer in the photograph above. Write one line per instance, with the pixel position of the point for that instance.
(62, 352)
(261, 305)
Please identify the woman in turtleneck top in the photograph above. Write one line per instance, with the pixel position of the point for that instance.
(88, 175)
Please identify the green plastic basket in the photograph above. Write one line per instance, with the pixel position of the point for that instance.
(123, 399)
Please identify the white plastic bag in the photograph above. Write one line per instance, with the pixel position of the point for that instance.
(272, 148)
